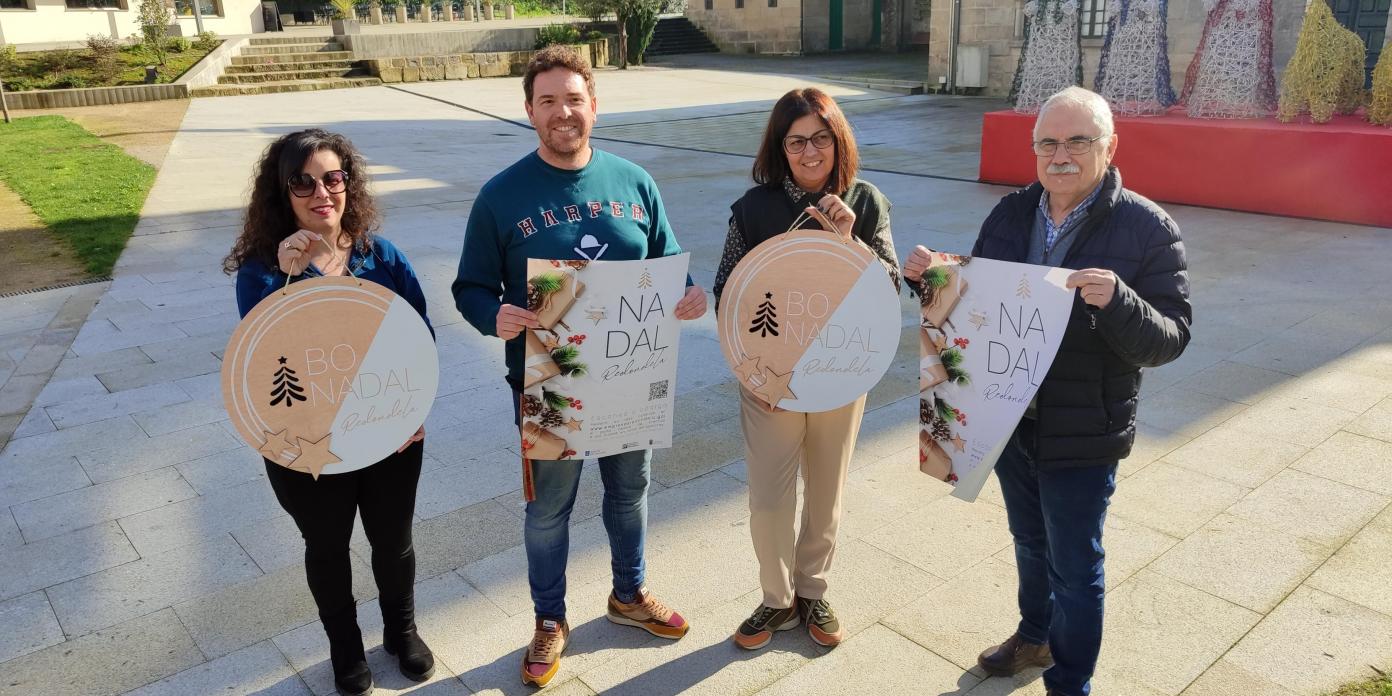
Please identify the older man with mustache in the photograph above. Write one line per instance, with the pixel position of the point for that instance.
(1132, 311)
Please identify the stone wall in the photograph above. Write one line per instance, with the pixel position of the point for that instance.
(439, 43)
(466, 66)
(754, 28)
(998, 24)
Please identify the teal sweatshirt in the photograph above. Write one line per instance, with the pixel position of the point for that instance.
(609, 210)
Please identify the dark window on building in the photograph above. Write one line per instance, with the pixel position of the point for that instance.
(14, 5)
(94, 4)
(1093, 17)
(773, 3)
(710, 4)
(739, 4)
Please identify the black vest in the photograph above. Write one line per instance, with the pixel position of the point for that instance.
(766, 211)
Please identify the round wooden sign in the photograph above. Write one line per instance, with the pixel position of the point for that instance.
(329, 375)
(809, 321)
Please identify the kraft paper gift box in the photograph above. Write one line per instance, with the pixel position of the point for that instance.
(932, 458)
(539, 443)
(554, 306)
(931, 372)
(943, 300)
(538, 365)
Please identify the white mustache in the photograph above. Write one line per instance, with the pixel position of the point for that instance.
(1065, 168)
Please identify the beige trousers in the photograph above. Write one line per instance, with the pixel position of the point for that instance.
(793, 561)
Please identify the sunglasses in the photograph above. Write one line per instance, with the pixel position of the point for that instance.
(303, 185)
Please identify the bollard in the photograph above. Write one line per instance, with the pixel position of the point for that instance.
(488, 10)
(507, 11)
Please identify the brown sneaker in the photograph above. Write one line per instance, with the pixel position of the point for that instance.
(543, 657)
(758, 629)
(821, 621)
(1014, 655)
(649, 614)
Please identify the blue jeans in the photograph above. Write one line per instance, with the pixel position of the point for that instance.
(547, 530)
(1056, 518)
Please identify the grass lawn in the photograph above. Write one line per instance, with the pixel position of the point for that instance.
(1377, 686)
(87, 192)
(69, 68)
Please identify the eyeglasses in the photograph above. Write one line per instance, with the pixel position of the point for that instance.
(303, 185)
(820, 140)
(1073, 146)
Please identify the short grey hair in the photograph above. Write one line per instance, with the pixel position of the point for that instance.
(1077, 96)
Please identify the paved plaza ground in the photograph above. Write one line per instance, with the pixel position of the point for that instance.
(144, 552)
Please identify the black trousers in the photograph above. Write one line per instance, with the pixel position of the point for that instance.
(385, 494)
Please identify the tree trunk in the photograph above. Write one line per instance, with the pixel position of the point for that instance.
(623, 40)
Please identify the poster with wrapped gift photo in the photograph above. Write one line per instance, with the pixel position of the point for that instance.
(988, 333)
(599, 376)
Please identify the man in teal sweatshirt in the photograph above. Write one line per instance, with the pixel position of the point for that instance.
(567, 200)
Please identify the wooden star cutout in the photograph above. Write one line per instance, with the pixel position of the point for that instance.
(597, 315)
(573, 425)
(314, 456)
(775, 387)
(958, 443)
(275, 444)
(747, 369)
(551, 342)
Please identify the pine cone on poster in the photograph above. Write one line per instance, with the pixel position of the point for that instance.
(940, 430)
(551, 418)
(925, 412)
(531, 406)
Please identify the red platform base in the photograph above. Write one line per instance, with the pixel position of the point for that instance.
(1341, 170)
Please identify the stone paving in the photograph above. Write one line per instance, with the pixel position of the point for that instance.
(143, 551)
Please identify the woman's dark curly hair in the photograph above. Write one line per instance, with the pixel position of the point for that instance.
(269, 217)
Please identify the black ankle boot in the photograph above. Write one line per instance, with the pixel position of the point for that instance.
(352, 676)
(414, 656)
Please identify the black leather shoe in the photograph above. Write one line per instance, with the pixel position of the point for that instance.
(353, 679)
(413, 655)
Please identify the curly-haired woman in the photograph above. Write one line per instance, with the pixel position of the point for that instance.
(311, 215)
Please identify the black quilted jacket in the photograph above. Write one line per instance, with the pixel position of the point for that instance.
(1087, 402)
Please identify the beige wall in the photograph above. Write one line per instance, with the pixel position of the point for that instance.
(997, 24)
(754, 28)
(51, 21)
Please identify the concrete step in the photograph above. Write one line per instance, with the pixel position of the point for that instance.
(279, 58)
(280, 40)
(906, 87)
(287, 75)
(278, 49)
(285, 86)
(296, 66)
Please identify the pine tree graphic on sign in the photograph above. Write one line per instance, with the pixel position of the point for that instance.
(645, 281)
(286, 386)
(765, 319)
(1023, 289)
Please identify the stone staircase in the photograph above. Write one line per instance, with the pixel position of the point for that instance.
(674, 35)
(289, 64)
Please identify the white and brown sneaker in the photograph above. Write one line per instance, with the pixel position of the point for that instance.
(543, 657)
(650, 614)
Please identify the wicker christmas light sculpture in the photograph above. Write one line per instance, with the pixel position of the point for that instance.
(1326, 73)
(1051, 58)
(1134, 74)
(1380, 103)
(1231, 76)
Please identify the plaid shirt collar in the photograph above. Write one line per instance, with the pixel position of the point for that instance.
(1052, 231)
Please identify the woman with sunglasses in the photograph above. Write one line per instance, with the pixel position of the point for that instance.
(311, 215)
(807, 161)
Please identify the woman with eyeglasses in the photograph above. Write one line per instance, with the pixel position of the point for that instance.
(807, 160)
(311, 215)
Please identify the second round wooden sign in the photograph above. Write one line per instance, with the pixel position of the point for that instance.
(809, 321)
